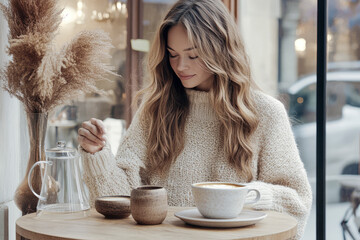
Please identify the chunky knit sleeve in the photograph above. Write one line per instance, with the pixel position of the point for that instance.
(105, 174)
(282, 179)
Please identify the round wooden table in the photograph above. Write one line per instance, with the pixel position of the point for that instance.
(275, 226)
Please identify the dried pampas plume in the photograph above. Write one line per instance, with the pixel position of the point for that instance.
(37, 74)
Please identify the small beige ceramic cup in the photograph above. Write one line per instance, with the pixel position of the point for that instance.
(149, 204)
(221, 199)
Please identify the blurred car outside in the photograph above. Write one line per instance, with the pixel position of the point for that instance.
(342, 128)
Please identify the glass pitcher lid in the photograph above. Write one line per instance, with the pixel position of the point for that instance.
(61, 151)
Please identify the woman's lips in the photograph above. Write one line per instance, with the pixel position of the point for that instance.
(186, 77)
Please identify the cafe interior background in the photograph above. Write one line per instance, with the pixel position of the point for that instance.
(280, 38)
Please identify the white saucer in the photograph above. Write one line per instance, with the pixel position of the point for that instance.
(245, 218)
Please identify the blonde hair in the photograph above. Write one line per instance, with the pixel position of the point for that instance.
(214, 33)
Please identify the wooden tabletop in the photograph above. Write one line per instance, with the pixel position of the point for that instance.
(275, 226)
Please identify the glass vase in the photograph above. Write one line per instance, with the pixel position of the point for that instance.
(24, 199)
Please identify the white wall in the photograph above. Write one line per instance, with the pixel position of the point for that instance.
(258, 22)
(10, 147)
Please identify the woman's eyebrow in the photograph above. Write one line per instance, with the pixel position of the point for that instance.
(187, 49)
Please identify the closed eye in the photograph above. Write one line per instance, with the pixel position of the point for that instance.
(192, 58)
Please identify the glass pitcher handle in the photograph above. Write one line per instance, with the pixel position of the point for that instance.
(29, 178)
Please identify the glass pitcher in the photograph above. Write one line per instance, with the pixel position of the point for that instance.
(62, 190)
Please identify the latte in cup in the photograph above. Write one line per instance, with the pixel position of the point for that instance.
(219, 185)
(221, 199)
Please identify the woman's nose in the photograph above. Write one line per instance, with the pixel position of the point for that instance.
(182, 64)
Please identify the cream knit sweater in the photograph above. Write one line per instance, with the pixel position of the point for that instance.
(278, 172)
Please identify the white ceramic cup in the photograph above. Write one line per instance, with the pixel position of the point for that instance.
(221, 199)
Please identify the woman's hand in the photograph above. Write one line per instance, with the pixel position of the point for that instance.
(91, 135)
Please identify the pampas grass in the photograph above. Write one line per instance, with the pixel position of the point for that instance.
(38, 75)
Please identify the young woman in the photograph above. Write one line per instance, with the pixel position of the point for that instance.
(202, 118)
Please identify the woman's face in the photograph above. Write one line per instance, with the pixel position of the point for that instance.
(185, 62)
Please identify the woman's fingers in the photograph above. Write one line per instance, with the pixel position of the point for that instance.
(94, 129)
(89, 145)
(84, 132)
(91, 135)
(99, 125)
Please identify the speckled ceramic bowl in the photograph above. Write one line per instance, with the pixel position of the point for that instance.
(117, 206)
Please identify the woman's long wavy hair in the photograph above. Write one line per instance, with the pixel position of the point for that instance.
(212, 30)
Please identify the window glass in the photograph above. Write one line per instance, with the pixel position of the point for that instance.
(352, 91)
(303, 105)
(342, 99)
(282, 35)
(153, 14)
(335, 99)
(111, 17)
